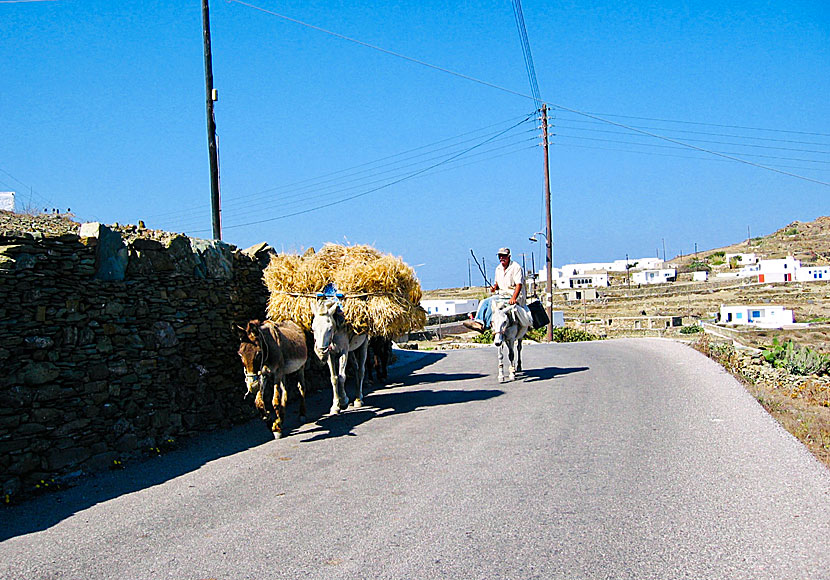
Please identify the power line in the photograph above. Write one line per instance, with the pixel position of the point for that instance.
(696, 148)
(410, 176)
(556, 106)
(528, 56)
(386, 51)
(708, 124)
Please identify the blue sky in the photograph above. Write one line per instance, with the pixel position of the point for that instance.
(326, 140)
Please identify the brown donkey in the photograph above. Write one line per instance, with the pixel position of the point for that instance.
(270, 351)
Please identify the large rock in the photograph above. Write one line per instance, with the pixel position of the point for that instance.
(111, 253)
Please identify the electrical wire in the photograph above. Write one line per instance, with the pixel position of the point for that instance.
(364, 193)
(556, 106)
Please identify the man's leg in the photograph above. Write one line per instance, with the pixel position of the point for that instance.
(482, 318)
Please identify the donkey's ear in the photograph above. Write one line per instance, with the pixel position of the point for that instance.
(315, 307)
(333, 308)
(238, 330)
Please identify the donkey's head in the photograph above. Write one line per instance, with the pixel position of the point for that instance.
(250, 351)
(500, 320)
(327, 318)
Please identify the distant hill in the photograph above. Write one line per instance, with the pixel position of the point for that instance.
(805, 241)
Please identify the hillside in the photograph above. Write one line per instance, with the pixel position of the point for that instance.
(805, 241)
(627, 310)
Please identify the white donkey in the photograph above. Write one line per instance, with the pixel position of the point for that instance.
(334, 339)
(509, 328)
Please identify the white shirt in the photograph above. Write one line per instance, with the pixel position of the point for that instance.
(507, 278)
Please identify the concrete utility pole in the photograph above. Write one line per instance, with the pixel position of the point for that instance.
(213, 152)
(549, 235)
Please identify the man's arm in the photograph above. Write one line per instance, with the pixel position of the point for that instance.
(516, 291)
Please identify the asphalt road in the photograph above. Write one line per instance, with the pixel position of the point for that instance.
(616, 459)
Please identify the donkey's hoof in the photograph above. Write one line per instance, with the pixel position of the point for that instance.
(502, 379)
(358, 403)
(302, 419)
(335, 410)
(344, 404)
(276, 433)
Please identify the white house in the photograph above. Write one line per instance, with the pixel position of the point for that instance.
(741, 259)
(812, 273)
(780, 270)
(654, 276)
(584, 280)
(765, 316)
(449, 307)
(700, 276)
(7, 200)
(571, 277)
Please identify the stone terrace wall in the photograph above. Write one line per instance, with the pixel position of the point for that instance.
(109, 350)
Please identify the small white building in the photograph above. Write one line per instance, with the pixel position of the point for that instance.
(660, 276)
(700, 276)
(813, 274)
(449, 307)
(7, 200)
(780, 270)
(765, 316)
(571, 277)
(584, 280)
(741, 259)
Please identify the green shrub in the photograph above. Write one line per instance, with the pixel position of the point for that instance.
(796, 360)
(485, 337)
(565, 334)
(691, 329)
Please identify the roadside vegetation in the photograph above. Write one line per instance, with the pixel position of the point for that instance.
(560, 334)
(791, 382)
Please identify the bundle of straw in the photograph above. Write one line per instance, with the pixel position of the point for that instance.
(382, 293)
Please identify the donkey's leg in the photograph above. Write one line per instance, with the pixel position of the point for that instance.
(501, 363)
(512, 355)
(341, 380)
(301, 389)
(360, 359)
(335, 403)
(519, 356)
(278, 402)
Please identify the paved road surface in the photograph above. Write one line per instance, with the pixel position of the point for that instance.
(616, 459)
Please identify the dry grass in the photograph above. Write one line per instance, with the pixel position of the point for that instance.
(803, 410)
(382, 293)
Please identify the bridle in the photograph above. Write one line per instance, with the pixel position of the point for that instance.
(330, 347)
(263, 353)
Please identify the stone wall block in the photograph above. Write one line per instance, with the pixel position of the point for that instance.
(99, 367)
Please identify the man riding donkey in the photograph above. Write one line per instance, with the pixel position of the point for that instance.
(509, 281)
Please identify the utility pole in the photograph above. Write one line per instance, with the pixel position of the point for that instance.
(213, 152)
(549, 236)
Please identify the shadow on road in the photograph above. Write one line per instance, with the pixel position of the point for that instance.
(384, 404)
(533, 375)
(41, 513)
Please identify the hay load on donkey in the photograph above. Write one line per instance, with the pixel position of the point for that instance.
(381, 294)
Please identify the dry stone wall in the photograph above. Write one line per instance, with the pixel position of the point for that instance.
(110, 348)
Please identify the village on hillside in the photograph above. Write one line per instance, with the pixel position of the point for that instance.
(778, 281)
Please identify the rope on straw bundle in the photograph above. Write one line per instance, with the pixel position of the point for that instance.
(381, 294)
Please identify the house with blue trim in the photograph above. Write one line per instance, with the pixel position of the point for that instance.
(765, 316)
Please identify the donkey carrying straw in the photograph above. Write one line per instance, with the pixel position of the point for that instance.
(270, 351)
(509, 327)
(334, 339)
